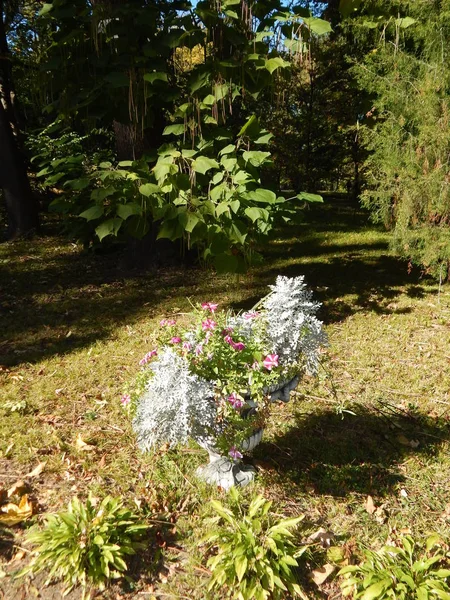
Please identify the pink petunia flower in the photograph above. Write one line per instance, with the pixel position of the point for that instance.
(167, 322)
(199, 349)
(187, 346)
(125, 400)
(176, 340)
(235, 401)
(209, 306)
(228, 339)
(208, 324)
(271, 361)
(148, 357)
(238, 346)
(251, 314)
(234, 453)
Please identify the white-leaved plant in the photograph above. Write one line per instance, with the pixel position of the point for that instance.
(292, 326)
(176, 405)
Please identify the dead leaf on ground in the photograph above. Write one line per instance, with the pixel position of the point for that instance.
(370, 505)
(81, 445)
(381, 514)
(403, 440)
(19, 488)
(319, 576)
(322, 536)
(12, 514)
(36, 471)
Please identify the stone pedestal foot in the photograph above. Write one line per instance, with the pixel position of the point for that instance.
(226, 473)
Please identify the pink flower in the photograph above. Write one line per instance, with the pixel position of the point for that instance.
(238, 346)
(234, 453)
(187, 346)
(167, 322)
(199, 349)
(227, 331)
(251, 314)
(228, 339)
(125, 400)
(209, 306)
(148, 357)
(271, 361)
(235, 401)
(176, 340)
(208, 324)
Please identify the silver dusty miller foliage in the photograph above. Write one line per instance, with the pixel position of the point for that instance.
(176, 405)
(292, 327)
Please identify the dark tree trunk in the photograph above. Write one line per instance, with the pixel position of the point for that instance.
(21, 207)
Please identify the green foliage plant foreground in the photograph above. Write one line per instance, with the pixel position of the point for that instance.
(88, 544)
(408, 571)
(256, 556)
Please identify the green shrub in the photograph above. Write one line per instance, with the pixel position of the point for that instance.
(255, 555)
(87, 544)
(409, 572)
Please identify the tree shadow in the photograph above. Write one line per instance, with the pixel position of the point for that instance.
(338, 455)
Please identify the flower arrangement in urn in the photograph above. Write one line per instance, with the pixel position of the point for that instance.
(213, 381)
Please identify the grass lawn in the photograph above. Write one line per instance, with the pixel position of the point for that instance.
(376, 422)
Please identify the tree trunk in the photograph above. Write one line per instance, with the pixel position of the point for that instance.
(20, 205)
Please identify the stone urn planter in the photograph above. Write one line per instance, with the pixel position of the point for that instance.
(227, 472)
(210, 380)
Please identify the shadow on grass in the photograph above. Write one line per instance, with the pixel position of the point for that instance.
(54, 299)
(337, 456)
(53, 302)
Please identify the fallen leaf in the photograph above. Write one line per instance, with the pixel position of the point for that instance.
(381, 514)
(403, 440)
(18, 488)
(12, 514)
(36, 471)
(319, 576)
(323, 536)
(81, 445)
(403, 493)
(59, 391)
(370, 505)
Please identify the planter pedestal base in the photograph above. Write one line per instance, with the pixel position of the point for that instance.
(226, 473)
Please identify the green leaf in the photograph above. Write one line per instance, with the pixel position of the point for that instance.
(125, 163)
(240, 565)
(318, 26)
(247, 127)
(109, 227)
(202, 164)
(405, 22)
(94, 212)
(188, 220)
(262, 195)
(307, 197)
(254, 213)
(177, 129)
(158, 76)
(148, 189)
(255, 157)
(272, 64)
(376, 590)
(264, 139)
(209, 100)
(46, 8)
(227, 150)
(127, 210)
(100, 194)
